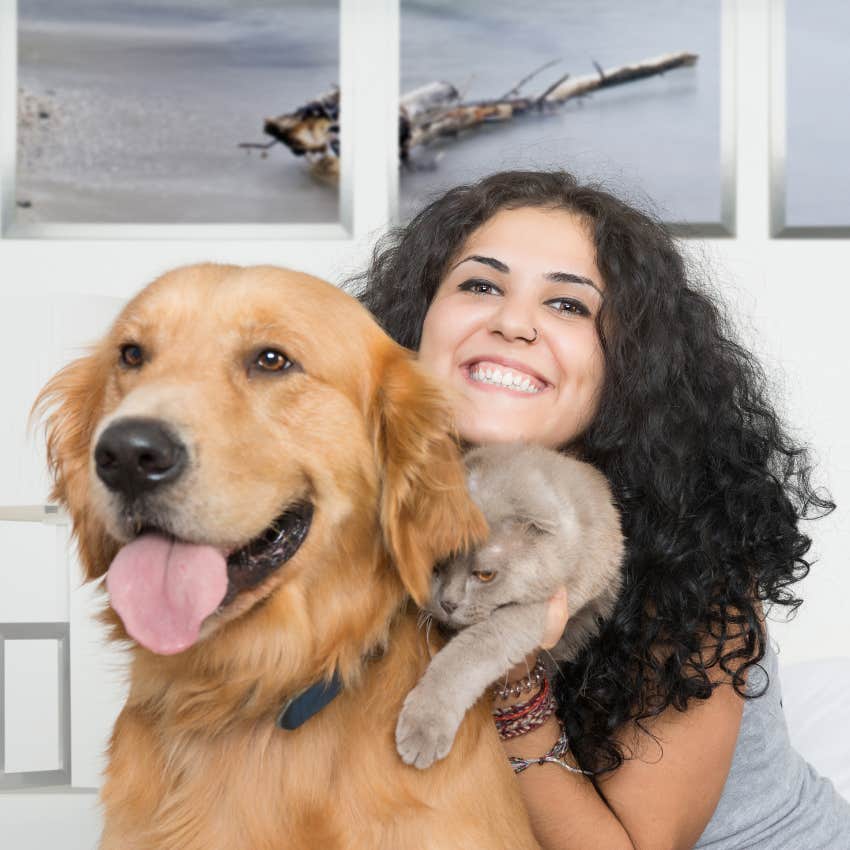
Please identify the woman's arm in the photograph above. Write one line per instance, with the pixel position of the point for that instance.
(655, 801)
(667, 799)
(564, 808)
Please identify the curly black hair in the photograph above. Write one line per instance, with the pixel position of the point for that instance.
(710, 484)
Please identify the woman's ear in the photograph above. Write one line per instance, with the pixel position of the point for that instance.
(70, 406)
(426, 512)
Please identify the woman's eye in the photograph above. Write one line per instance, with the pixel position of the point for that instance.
(568, 305)
(484, 575)
(272, 360)
(132, 355)
(480, 287)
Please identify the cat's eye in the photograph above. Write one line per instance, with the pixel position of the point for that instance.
(484, 575)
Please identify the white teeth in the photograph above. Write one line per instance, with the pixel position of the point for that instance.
(505, 379)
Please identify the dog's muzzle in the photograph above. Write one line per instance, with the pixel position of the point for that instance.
(162, 584)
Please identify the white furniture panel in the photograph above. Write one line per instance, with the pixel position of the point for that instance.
(33, 573)
(35, 732)
(50, 820)
(31, 710)
(25, 347)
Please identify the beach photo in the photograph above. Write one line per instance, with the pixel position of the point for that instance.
(654, 136)
(144, 111)
(817, 131)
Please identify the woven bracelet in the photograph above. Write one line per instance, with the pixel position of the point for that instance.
(516, 720)
(555, 756)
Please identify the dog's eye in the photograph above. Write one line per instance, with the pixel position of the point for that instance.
(132, 355)
(271, 360)
(484, 575)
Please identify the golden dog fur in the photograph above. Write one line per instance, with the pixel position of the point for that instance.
(196, 761)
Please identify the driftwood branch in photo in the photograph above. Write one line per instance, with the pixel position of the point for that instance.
(435, 110)
(616, 76)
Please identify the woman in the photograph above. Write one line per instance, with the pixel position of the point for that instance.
(532, 277)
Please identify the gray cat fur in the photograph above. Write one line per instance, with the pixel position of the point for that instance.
(552, 522)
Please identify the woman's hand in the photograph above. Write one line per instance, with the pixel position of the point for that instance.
(557, 615)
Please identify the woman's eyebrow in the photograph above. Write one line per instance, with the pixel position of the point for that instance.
(569, 277)
(498, 265)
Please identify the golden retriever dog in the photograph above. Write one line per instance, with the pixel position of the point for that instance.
(261, 480)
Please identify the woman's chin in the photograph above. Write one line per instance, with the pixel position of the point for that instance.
(478, 434)
(498, 419)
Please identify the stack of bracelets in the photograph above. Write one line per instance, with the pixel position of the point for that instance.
(515, 720)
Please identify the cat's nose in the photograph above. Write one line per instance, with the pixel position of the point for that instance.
(447, 606)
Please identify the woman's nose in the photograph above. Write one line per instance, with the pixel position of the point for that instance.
(512, 321)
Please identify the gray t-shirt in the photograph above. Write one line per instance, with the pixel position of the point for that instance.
(773, 798)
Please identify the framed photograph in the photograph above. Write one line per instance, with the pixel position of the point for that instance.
(161, 112)
(637, 95)
(810, 128)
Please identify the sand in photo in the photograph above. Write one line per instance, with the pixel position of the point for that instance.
(133, 112)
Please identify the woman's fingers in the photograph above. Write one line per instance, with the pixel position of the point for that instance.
(557, 615)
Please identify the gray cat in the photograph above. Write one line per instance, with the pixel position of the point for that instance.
(552, 522)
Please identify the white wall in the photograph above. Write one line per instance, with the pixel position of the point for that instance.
(788, 296)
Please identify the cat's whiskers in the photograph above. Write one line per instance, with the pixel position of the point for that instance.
(552, 659)
(428, 635)
(425, 619)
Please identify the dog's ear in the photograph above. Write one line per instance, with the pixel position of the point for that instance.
(426, 511)
(70, 406)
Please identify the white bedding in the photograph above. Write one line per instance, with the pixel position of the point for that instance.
(816, 702)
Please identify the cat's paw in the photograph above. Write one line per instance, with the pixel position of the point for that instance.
(424, 732)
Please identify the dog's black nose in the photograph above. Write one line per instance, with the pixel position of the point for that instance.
(134, 455)
(447, 606)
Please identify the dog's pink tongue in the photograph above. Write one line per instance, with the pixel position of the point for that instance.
(163, 590)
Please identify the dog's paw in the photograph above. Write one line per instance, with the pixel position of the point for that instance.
(424, 734)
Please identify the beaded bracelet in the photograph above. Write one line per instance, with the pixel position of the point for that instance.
(555, 756)
(515, 720)
(529, 682)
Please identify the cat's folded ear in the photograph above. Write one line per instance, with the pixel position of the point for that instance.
(515, 468)
(538, 525)
(426, 511)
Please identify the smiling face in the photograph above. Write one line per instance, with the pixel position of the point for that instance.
(511, 329)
